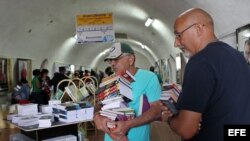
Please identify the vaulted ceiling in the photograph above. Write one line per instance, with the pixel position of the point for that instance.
(40, 29)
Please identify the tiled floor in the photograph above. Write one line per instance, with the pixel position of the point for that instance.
(159, 132)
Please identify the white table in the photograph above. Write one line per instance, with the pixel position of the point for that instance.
(57, 128)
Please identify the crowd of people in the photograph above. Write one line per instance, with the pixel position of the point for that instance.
(42, 87)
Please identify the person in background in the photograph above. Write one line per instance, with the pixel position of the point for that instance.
(80, 74)
(86, 73)
(94, 75)
(45, 80)
(2, 74)
(21, 92)
(216, 86)
(76, 74)
(100, 76)
(152, 69)
(247, 51)
(59, 77)
(86, 76)
(121, 58)
(109, 71)
(36, 95)
(69, 74)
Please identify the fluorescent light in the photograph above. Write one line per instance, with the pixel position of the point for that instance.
(148, 22)
(72, 68)
(247, 35)
(143, 46)
(178, 62)
(75, 36)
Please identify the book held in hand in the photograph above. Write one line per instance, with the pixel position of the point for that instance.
(144, 104)
(128, 76)
(170, 96)
(170, 106)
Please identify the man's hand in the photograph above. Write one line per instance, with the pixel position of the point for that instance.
(166, 113)
(101, 123)
(120, 129)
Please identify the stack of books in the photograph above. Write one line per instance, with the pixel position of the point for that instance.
(46, 121)
(28, 121)
(119, 114)
(27, 109)
(169, 96)
(116, 85)
(114, 94)
(71, 112)
(46, 109)
(63, 138)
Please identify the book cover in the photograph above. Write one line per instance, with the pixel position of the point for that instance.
(171, 106)
(103, 88)
(170, 96)
(108, 114)
(167, 86)
(112, 99)
(128, 76)
(125, 110)
(125, 90)
(116, 104)
(144, 104)
(107, 92)
(71, 92)
(82, 93)
(120, 117)
(109, 80)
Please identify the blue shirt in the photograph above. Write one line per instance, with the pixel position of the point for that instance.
(145, 83)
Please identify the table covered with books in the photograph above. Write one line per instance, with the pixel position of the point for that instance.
(41, 126)
(58, 128)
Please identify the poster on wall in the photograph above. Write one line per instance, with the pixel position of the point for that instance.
(243, 41)
(95, 28)
(3, 75)
(24, 70)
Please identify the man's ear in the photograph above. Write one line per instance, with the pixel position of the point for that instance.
(131, 60)
(199, 29)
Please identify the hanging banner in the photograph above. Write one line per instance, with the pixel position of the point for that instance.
(95, 28)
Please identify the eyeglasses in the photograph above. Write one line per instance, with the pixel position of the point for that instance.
(178, 34)
(118, 58)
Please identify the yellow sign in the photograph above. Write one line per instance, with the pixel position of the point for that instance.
(94, 19)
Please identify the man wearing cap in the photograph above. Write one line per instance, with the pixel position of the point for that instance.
(121, 58)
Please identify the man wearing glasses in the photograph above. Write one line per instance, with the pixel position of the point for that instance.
(216, 86)
(121, 58)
